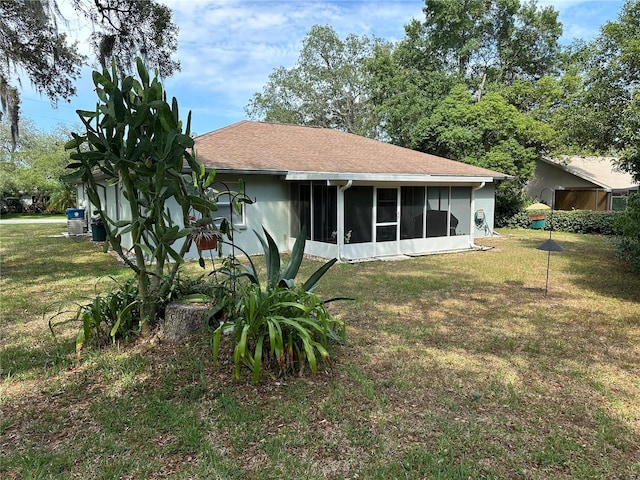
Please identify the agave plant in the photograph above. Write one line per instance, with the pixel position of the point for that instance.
(279, 276)
(283, 326)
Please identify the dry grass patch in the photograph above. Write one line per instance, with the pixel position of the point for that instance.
(456, 366)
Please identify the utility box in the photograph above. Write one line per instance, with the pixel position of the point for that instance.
(75, 226)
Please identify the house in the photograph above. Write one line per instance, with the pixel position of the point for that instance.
(356, 198)
(581, 183)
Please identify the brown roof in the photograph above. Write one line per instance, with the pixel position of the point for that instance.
(282, 148)
(601, 171)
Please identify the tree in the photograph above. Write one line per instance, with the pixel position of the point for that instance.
(36, 164)
(135, 139)
(483, 44)
(617, 62)
(492, 40)
(32, 44)
(620, 54)
(327, 87)
(488, 133)
(406, 85)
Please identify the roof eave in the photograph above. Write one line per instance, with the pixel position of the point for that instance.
(388, 177)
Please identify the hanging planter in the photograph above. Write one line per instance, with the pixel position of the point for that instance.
(204, 234)
(206, 243)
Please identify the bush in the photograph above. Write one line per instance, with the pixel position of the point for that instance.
(628, 224)
(115, 315)
(280, 329)
(109, 316)
(575, 221)
(281, 326)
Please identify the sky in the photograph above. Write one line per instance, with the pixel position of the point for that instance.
(228, 48)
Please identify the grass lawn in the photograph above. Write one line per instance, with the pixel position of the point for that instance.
(32, 216)
(456, 366)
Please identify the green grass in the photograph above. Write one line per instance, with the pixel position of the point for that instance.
(456, 366)
(33, 216)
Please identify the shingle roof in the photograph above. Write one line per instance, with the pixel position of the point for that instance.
(274, 147)
(598, 170)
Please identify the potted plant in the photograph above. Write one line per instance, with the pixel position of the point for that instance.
(204, 233)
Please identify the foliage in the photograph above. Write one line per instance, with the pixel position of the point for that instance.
(116, 315)
(279, 330)
(109, 316)
(35, 163)
(327, 87)
(623, 39)
(488, 133)
(125, 30)
(575, 221)
(500, 40)
(483, 45)
(136, 139)
(406, 85)
(284, 325)
(629, 224)
(279, 276)
(61, 199)
(602, 111)
(33, 46)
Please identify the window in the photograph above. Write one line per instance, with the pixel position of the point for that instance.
(301, 201)
(437, 211)
(226, 192)
(315, 207)
(325, 214)
(460, 218)
(412, 212)
(358, 214)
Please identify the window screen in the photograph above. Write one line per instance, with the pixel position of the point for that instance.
(358, 216)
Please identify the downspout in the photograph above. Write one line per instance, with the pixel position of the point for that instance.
(340, 238)
(473, 214)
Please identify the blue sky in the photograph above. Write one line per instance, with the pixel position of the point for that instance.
(228, 48)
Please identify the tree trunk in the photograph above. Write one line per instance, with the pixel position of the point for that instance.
(183, 320)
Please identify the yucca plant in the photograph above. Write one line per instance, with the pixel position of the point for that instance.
(277, 275)
(283, 326)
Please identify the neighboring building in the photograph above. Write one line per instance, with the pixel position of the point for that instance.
(356, 197)
(581, 183)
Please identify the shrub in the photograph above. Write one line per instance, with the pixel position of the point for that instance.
(115, 315)
(575, 221)
(280, 329)
(110, 316)
(628, 223)
(283, 326)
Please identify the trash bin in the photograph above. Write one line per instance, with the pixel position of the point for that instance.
(75, 213)
(98, 232)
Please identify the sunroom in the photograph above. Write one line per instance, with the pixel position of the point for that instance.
(362, 219)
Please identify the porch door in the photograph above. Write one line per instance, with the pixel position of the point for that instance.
(386, 221)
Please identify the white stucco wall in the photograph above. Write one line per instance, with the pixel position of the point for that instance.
(485, 200)
(269, 210)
